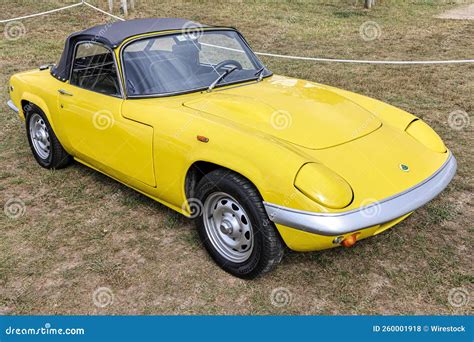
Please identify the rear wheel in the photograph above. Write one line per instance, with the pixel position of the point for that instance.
(234, 226)
(44, 144)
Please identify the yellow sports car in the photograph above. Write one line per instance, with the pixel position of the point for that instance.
(189, 116)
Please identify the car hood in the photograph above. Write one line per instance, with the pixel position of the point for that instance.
(297, 111)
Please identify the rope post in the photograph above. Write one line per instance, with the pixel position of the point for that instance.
(369, 4)
(125, 8)
(111, 6)
(132, 5)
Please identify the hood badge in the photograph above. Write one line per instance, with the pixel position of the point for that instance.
(404, 168)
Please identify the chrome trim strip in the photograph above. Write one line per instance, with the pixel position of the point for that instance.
(12, 106)
(380, 212)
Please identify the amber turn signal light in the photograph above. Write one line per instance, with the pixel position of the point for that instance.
(350, 240)
(202, 138)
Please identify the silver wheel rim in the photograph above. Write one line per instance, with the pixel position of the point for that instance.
(39, 136)
(228, 227)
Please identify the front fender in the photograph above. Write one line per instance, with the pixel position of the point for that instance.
(270, 164)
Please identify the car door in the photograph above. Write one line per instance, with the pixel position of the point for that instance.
(90, 116)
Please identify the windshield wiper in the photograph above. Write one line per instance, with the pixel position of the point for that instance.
(220, 78)
(260, 73)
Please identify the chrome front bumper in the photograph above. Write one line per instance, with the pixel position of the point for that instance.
(376, 213)
(12, 105)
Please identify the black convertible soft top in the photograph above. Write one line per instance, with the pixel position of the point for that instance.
(113, 34)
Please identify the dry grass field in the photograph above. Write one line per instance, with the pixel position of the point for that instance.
(81, 230)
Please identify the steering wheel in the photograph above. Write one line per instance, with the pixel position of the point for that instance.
(229, 62)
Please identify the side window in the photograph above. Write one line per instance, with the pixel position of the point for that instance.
(94, 69)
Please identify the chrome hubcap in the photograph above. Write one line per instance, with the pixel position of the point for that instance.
(40, 136)
(228, 227)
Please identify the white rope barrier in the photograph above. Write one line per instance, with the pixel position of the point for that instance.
(316, 59)
(42, 13)
(455, 61)
(102, 11)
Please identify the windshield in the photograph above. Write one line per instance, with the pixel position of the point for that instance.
(185, 62)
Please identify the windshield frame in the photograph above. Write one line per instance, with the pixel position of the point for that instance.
(252, 56)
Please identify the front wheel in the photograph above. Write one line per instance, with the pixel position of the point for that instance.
(234, 226)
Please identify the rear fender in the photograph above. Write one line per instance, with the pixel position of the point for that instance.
(39, 102)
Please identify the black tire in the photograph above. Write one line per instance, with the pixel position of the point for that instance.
(268, 247)
(58, 157)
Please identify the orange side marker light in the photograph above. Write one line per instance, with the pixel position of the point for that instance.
(202, 138)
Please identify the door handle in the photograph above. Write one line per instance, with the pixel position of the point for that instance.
(63, 92)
